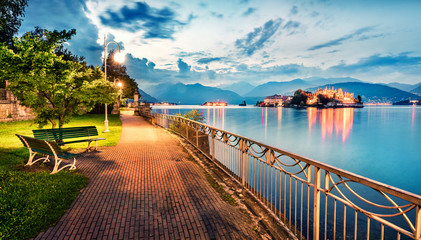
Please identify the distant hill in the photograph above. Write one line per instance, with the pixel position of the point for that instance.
(194, 94)
(240, 88)
(272, 88)
(317, 81)
(146, 97)
(289, 87)
(403, 86)
(417, 90)
(371, 92)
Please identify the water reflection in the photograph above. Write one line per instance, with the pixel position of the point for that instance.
(414, 107)
(339, 120)
(280, 117)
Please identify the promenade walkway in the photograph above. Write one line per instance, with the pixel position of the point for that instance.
(145, 188)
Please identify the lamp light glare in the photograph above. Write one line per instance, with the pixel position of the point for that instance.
(119, 57)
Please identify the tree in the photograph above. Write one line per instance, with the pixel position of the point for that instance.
(300, 97)
(194, 115)
(53, 87)
(117, 72)
(10, 13)
(323, 99)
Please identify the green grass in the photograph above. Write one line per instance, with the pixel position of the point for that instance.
(30, 202)
(224, 195)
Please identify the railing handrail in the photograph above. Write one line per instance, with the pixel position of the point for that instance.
(397, 192)
(271, 156)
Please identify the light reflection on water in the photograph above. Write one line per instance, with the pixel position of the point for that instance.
(381, 143)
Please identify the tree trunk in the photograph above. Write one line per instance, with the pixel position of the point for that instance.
(53, 123)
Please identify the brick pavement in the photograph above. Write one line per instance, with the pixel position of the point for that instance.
(145, 188)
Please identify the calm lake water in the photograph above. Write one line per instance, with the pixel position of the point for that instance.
(381, 143)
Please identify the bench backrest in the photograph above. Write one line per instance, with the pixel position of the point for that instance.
(55, 134)
(41, 146)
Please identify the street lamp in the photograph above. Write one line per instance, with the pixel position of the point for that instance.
(120, 93)
(118, 57)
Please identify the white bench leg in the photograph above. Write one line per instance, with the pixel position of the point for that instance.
(71, 166)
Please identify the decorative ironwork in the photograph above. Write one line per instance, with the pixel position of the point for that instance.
(292, 187)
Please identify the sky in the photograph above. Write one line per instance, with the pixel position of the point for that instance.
(226, 41)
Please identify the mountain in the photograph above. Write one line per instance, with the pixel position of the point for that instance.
(371, 92)
(240, 88)
(403, 86)
(289, 87)
(146, 97)
(417, 90)
(194, 94)
(272, 88)
(317, 81)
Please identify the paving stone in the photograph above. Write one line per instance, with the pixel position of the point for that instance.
(145, 188)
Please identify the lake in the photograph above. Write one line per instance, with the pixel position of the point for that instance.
(378, 142)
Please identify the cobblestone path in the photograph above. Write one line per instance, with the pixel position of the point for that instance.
(146, 188)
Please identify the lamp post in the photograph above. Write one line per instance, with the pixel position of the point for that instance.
(117, 59)
(120, 93)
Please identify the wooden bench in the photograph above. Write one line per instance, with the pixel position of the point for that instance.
(47, 148)
(61, 134)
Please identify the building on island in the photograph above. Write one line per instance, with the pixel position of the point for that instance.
(216, 104)
(336, 95)
(275, 100)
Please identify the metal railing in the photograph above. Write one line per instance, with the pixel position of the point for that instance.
(314, 200)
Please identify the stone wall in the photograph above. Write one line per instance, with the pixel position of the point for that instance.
(10, 110)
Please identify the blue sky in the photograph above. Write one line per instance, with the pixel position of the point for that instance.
(221, 41)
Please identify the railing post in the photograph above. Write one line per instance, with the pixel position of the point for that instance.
(197, 136)
(187, 131)
(243, 162)
(213, 144)
(316, 208)
(418, 223)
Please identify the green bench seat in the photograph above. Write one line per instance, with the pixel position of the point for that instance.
(61, 135)
(47, 148)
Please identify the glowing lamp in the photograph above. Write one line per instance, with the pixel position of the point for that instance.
(119, 57)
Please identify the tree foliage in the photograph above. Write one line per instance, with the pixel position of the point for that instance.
(300, 97)
(10, 13)
(117, 72)
(55, 87)
(194, 115)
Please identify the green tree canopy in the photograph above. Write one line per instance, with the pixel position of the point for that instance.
(10, 13)
(300, 97)
(55, 87)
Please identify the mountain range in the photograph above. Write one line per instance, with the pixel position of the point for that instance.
(371, 92)
(194, 94)
(242, 91)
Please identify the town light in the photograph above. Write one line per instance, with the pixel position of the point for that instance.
(118, 57)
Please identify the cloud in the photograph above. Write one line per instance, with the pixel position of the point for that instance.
(249, 11)
(399, 62)
(151, 66)
(183, 67)
(291, 25)
(183, 54)
(218, 15)
(340, 40)
(65, 15)
(242, 67)
(208, 60)
(157, 23)
(294, 10)
(256, 40)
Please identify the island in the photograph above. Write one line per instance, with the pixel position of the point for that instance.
(322, 98)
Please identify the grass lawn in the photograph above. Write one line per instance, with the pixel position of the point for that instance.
(30, 202)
